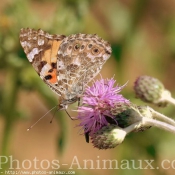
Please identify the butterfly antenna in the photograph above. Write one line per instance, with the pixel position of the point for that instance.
(54, 115)
(40, 119)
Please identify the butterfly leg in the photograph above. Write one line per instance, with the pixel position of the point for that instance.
(70, 116)
(78, 101)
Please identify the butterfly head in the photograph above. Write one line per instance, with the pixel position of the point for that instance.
(63, 103)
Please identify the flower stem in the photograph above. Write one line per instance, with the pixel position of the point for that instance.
(152, 122)
(166, 96)
(157, 115)
(170, 100)
(132, 127)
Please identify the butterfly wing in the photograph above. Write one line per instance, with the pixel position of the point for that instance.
(41, 49)
(82, 57)
(65, 64)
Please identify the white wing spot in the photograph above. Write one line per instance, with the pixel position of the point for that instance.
(31, 55)
(60, 65)
(44, 70)
(40, 42)
(24, 43)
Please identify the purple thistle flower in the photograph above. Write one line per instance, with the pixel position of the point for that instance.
(97, 102)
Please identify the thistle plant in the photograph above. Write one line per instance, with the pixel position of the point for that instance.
(107, 117)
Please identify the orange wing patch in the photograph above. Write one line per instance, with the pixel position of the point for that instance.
(54, 76)
(51, 76)
(50, 55)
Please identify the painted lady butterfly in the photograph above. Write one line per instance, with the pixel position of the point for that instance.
(65, 64)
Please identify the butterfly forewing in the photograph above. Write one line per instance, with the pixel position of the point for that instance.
(65, 64)
(41, 50)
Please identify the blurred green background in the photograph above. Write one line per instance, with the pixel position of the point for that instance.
(142, 35)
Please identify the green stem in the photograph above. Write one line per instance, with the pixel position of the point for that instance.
(9, 102)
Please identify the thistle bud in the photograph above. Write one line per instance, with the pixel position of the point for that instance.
(108, 137)
(132, 114)
(150, 90)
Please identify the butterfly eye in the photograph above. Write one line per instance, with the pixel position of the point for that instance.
(77, 46)
(95, 51)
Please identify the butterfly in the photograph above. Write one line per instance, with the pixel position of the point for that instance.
(65, 63)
